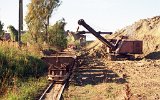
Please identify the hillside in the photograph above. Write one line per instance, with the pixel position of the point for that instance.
(147, 30)
(124, 79)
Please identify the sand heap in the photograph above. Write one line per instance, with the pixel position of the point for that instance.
(147, 30)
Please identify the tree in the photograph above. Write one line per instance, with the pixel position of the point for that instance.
(13, 33)
(57, 35)
(1, 29)
(37, 19)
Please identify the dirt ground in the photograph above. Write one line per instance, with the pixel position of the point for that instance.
(97, 79)
(146, 30)
(143, 77)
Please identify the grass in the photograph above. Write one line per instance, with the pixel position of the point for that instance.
(101, 91)
(27, 89)
(17, 64)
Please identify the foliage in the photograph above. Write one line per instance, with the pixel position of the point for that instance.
(27, 90)
(39, 12)
(77, 43)
(70, 39)
(13, 33)
(56, 35)
(18, 63)
(1, 29)
(26, 38)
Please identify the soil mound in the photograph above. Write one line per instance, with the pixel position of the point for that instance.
(147, 30)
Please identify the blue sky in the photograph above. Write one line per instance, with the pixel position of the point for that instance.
(102, 15)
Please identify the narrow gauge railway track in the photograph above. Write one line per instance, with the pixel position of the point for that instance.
(50, 86)
(53, 91)
(60, 70)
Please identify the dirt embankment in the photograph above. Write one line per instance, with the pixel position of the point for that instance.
(147, 30)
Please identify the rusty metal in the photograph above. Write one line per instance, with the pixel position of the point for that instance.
(59, 70)
(59, 66)
(84, 32)
(130, 46)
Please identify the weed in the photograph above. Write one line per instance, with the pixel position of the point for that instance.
(17, 63)
(27, 90)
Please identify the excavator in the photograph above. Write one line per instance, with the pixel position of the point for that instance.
(116, 48)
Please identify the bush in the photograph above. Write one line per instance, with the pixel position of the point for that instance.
(17, 63)
(56, 34)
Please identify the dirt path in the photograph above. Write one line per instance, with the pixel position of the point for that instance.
(116, 80)
(94, 71)
(142, 76)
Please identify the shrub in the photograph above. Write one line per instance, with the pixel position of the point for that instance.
(17, 63)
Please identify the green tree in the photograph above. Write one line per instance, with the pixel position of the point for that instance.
(13, 33)
(57, 35)
(37, 19)
(1, 29)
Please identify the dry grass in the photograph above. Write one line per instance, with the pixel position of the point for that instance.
(34, 49)
(101, 91)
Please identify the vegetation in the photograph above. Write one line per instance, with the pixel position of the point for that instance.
(21, 68)
(37, 19)
(56, 35)
(13, 33)
(17, 64)
(26, 38)
(27, 89)
(103, 91)
(1, 29)
(71, 40)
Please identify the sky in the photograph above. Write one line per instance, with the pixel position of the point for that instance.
(102, 15)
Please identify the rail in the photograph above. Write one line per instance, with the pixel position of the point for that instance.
(45, 92)
(55, 89)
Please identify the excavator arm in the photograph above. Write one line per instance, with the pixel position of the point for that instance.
(102, 39)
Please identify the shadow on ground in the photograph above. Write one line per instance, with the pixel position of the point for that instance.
(93, 71)
(153, 55)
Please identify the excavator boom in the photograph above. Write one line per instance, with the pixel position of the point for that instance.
(102, 39)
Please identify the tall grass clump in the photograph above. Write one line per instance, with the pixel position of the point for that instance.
(16, 64)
